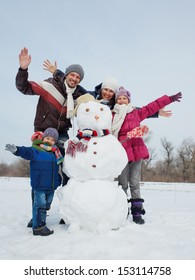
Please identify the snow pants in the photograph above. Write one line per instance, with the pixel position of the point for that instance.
(130, 177)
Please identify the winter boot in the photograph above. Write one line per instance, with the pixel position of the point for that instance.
(42, 231)
(62, 222)
(30, 223)
(137, 210)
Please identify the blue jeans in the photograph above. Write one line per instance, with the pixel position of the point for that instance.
(42, 203)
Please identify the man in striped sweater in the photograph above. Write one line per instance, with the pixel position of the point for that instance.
(57, 97)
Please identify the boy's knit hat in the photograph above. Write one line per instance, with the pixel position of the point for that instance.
(110, 83)
(51, 132)
(123, 92)
(75, 68)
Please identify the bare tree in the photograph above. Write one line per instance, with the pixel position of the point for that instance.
(23, 167)
(4, 168)
(19, 168)
(148, 172)
(186, 160)
(169, 157)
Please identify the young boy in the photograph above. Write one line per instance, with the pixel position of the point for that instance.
(45, 158)
(125, 119)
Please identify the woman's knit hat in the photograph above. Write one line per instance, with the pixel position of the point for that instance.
(123, 92)
(75, 68)
(110, 83)
(51, 132)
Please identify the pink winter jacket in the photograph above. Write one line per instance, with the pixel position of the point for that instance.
(135, 147)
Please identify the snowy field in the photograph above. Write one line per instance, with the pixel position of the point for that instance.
(168, 234)
(167, 239)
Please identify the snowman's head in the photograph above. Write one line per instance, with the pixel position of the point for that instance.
(94, 115)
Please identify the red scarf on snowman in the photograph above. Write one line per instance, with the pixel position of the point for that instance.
(80, 142)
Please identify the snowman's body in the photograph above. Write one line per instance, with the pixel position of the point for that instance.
(92, 199)
(104, 160)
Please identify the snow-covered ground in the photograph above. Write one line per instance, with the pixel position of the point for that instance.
(169, 231)
(168, 234)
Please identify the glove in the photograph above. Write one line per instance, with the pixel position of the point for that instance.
(176, 97)
(11, 148)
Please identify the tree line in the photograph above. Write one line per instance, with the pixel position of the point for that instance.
(176, 165)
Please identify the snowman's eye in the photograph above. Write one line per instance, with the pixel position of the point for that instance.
(101, 109)
(87, 109)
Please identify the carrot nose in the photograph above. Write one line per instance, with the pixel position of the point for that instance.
(97, 117)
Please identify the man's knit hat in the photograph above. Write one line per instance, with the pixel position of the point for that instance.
(51, 132)
(75, 68)
(110, 83)
(123, 92)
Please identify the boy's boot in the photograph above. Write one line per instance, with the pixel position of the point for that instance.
(137, 210)
(62, 222)
(42, 231)
(30, 223)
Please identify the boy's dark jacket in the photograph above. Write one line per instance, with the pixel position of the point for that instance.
(43, 168)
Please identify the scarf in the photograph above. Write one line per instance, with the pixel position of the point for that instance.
(120, 113)
(80, 142)
(39, 145)
(70, 101)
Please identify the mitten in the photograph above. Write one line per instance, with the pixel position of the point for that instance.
(11, 148)
(37, 135)
(138, 132)
(176, 97)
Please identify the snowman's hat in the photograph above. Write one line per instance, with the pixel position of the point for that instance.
(84, 99)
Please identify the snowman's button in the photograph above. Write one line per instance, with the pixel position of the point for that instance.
(94, 166)
(94, 143)
(95, 153)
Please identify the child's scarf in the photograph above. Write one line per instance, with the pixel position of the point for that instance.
(80, 142)
(120, 113)
(39, 145)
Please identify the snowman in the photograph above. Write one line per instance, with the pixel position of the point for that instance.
(92, 200)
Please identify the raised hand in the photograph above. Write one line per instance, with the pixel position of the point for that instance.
(11, 148)
(49, 67)
(24, 58)
(165, 113)
(176, 97)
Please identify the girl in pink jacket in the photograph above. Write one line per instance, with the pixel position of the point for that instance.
(125, 119)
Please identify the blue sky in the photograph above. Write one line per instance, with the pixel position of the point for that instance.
(149, 46)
